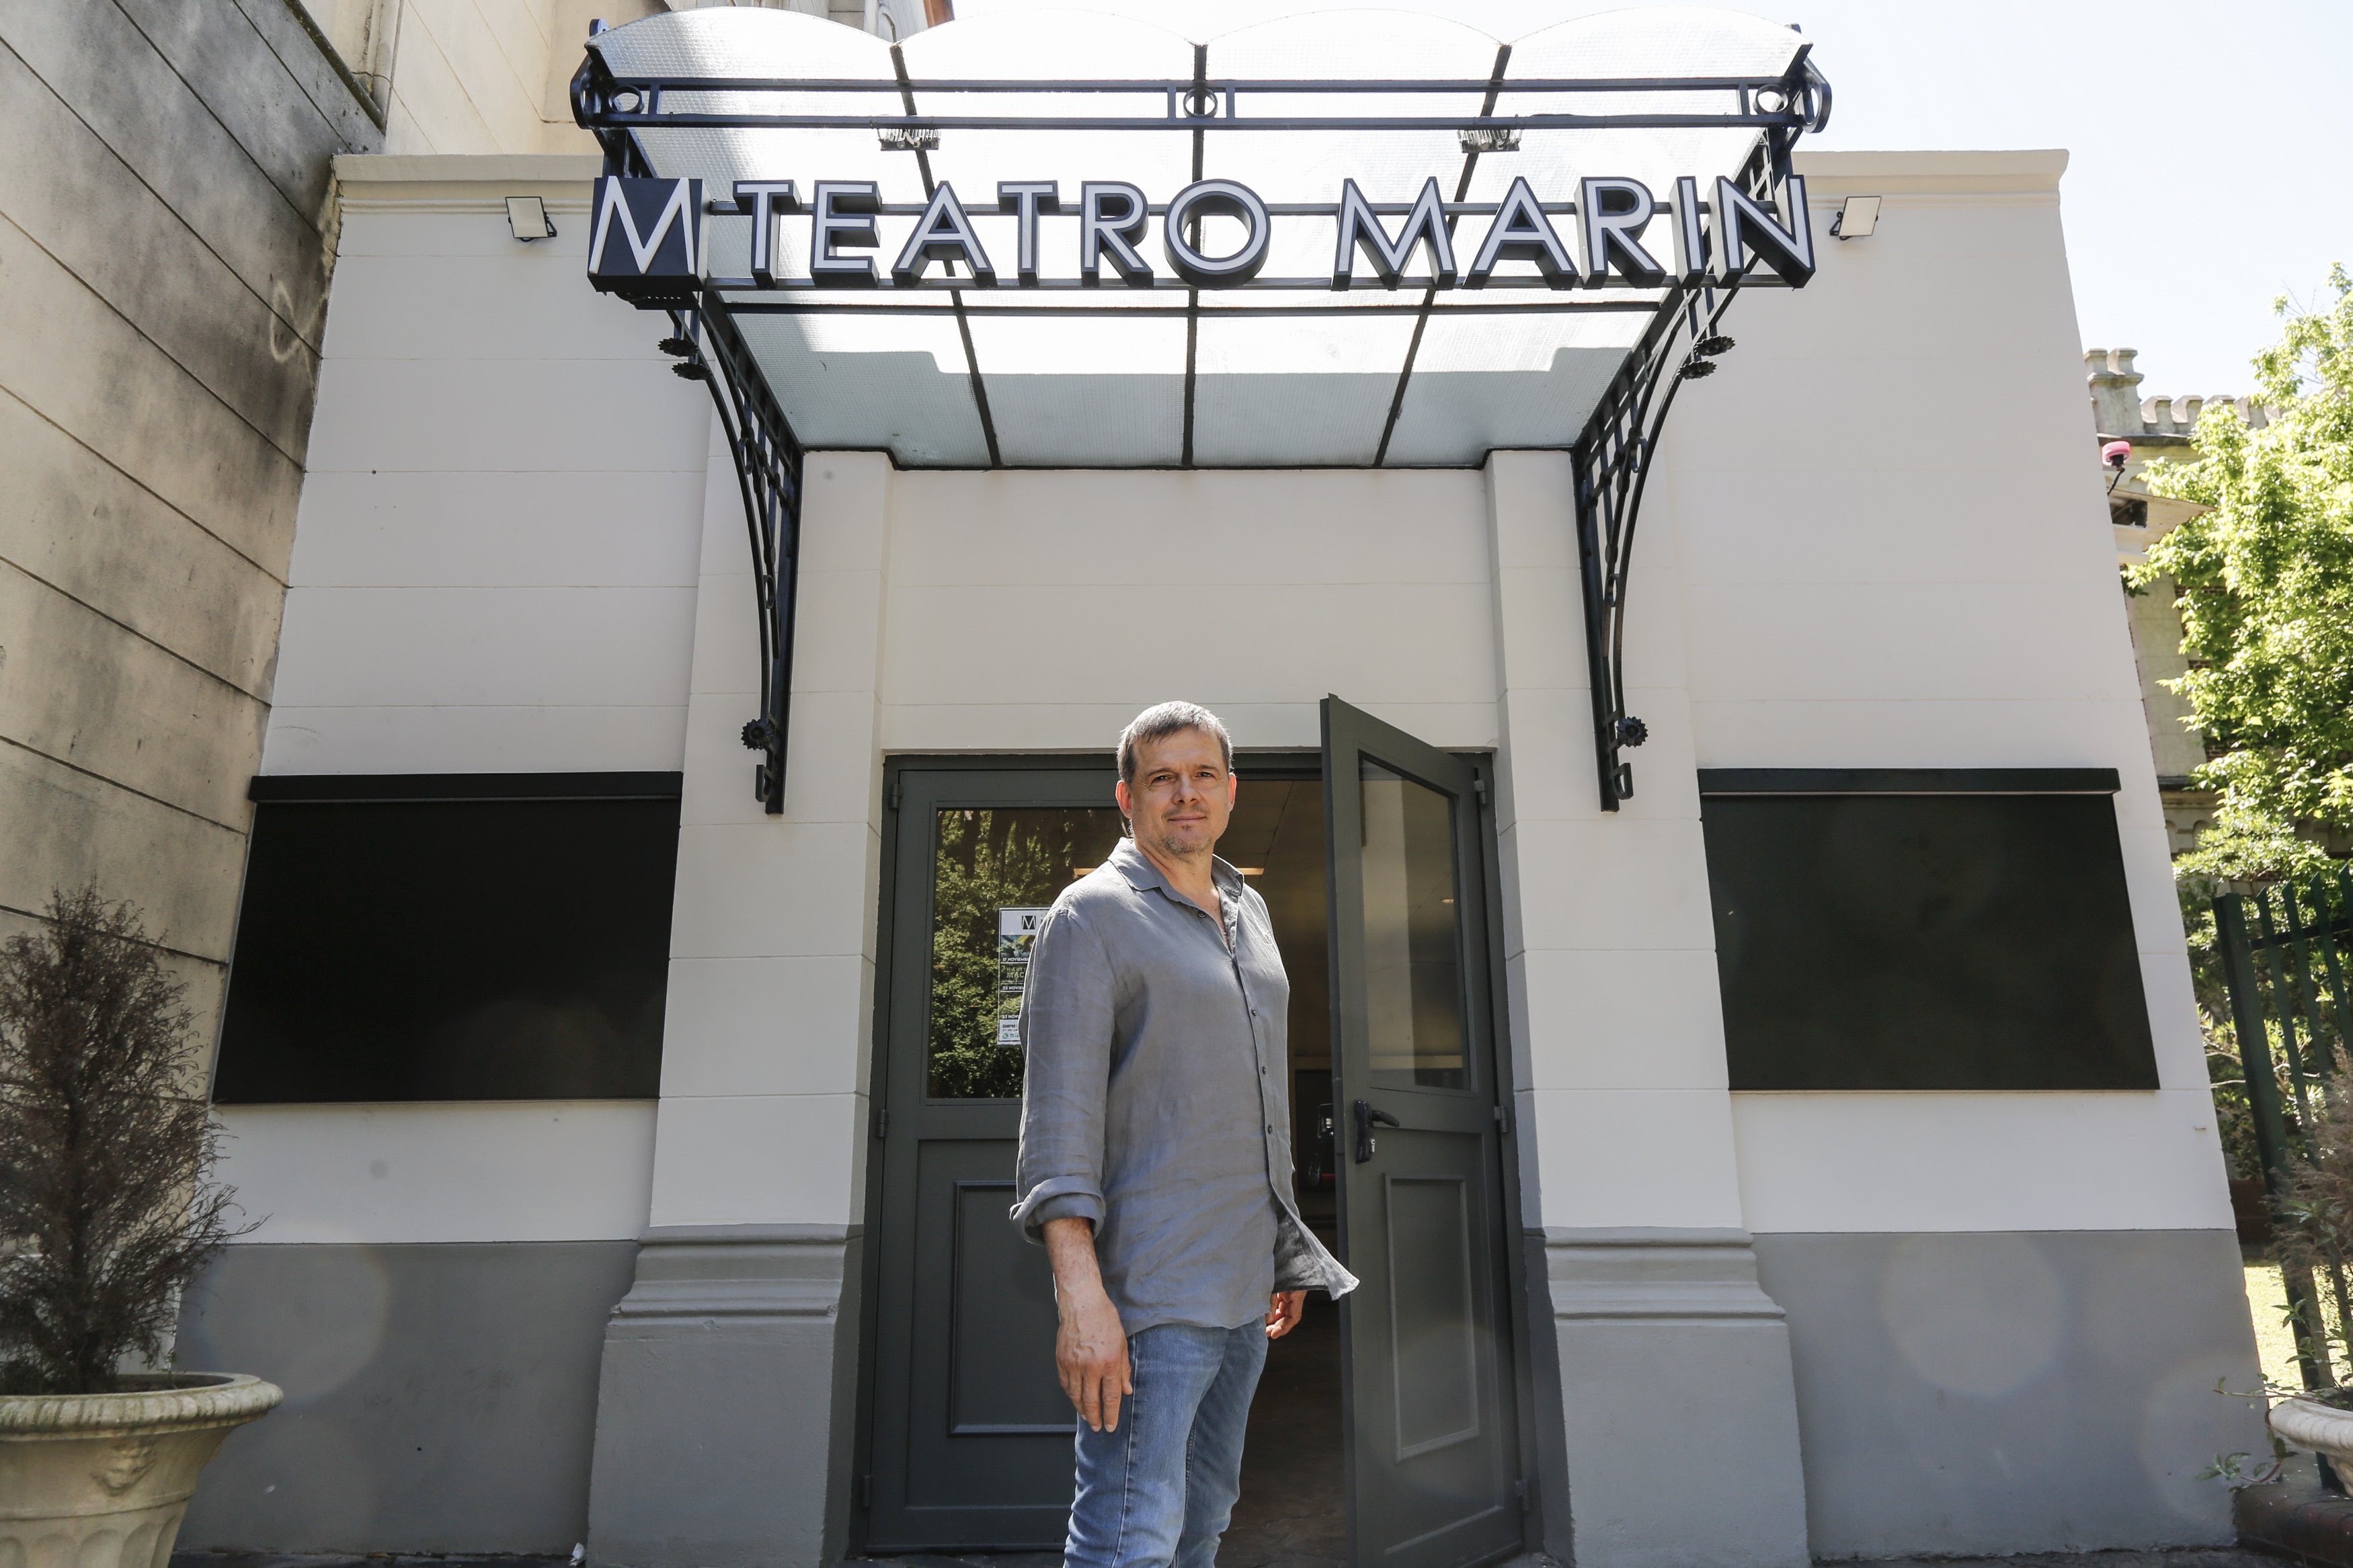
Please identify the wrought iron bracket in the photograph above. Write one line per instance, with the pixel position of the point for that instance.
(768, 459)
(1611, 462)
(761, 445)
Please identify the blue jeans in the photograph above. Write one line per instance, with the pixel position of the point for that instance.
(1160, 1490)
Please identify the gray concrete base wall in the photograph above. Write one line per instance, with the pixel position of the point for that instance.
(1678, 1415)
(1975, 1395)
(727, 1408)
(439, 1398)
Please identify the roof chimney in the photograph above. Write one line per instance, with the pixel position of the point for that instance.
(2116, 400)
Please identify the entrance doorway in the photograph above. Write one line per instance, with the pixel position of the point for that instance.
(1386, 1429)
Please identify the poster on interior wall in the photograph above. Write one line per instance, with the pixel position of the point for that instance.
(1017, 933)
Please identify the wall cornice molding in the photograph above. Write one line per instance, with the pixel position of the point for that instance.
(1930, 173)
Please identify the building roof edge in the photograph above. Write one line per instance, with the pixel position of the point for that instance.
(353, 169)
(1893, 173)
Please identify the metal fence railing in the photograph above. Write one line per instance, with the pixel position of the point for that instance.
(2285, 949)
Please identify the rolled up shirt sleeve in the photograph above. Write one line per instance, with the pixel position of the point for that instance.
(1068, 1019)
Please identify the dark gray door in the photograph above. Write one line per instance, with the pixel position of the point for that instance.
(970, 1434)
(1433, 1467)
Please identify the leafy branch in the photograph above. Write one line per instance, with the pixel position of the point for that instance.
(2264, 585)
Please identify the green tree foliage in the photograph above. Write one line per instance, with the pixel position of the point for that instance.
(981, 865)
(988, 860)
(2266, 600)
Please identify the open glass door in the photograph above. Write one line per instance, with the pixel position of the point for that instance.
(1433, 1464)
(968, 1434)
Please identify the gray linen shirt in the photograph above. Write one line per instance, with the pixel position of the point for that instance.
(1156, 1102)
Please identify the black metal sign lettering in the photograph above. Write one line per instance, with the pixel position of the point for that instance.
(647, 240)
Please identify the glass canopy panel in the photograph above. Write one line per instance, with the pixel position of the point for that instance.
(1518, 379)
(1295, 391)
(732, 41)
(1316, 389)
(1101, 380)
(1679, 42)
(1058, 46)
(895, 382)
(1388, 166)
(1102, 389)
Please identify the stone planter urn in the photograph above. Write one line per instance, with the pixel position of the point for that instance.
(101, 1480)
(2320, 1428)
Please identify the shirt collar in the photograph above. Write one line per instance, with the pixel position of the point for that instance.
(1141, 873)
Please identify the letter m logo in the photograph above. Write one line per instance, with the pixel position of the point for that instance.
(647, 244)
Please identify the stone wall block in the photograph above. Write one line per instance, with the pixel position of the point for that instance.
(95, 59)
(61, 828)
(1679, 1414)
(83, 205)
(723, 1418)
(74, 520)
(77, 364)
(92, 695)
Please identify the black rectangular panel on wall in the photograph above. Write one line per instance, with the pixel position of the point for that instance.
(1924, 936)
(398, 944)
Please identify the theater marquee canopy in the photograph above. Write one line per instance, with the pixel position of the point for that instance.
(1352, 238)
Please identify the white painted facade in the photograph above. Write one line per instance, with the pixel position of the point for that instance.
(518, 549)
(495, 556)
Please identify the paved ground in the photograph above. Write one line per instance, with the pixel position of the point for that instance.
(277, 1559)
(1294, 1490)
(2185, 1559)
(1226, 1559)
(2199, 1559)
(2188, 1558)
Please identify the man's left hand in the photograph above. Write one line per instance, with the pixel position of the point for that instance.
(1283, 1311)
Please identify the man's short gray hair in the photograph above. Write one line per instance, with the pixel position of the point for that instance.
(1163, 720)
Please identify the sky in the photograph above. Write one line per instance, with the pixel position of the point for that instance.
(2208, 139)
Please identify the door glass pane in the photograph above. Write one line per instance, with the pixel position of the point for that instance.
(1413, 978)
(994, 871)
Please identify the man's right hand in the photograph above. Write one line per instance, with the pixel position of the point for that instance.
(1090, 1348)
(1091, 1352)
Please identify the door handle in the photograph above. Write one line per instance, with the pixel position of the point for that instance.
(1367, 1118)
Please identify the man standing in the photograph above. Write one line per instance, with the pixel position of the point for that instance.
(1156, 1155)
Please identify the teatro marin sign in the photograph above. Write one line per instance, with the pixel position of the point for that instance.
(1532, 246)
(648, 230)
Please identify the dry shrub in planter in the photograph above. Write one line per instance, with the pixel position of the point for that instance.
(108, 1208)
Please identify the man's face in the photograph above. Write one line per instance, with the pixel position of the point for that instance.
(1183, 795)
